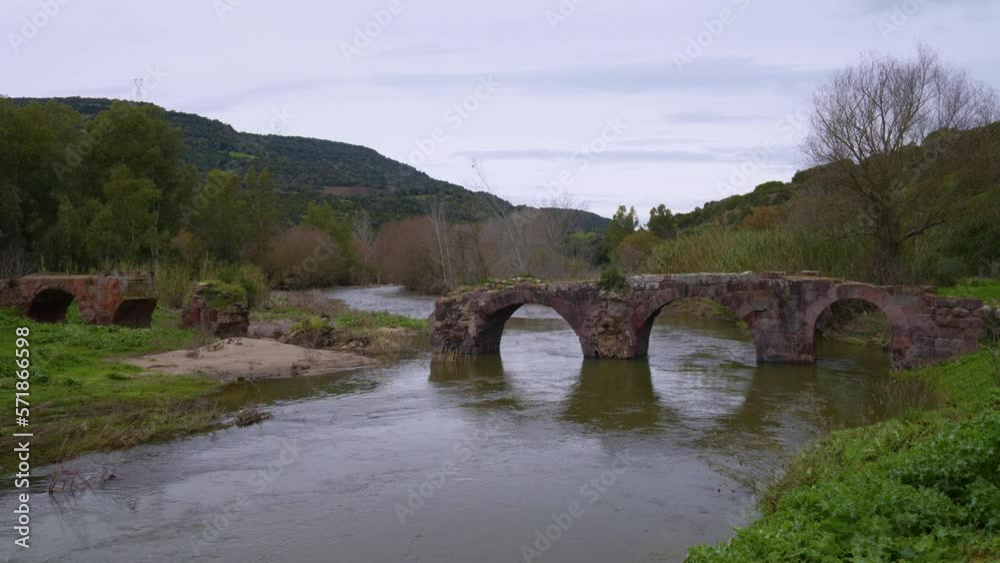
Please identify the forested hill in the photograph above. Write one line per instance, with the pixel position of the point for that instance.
(308, 169)
(772, 203)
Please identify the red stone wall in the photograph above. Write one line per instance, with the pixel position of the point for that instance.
(781, 311)
(127, 299)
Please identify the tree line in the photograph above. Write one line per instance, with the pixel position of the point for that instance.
(906, 188)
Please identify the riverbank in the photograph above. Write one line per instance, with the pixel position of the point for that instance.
(86, 395)
(924, 486)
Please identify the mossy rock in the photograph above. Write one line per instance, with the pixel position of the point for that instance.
(220, 295)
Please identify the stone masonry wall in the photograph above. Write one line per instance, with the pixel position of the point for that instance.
(780, 310)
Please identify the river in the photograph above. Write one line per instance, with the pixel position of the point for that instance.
(472, 461)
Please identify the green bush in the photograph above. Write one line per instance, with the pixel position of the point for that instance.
(219, 295)
(612, 280)
(248, 276)
(949, 269)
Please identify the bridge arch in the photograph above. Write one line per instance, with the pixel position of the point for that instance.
(898, 325)
(647, 314)
(495, 312)
(134, 313)
(50, 303)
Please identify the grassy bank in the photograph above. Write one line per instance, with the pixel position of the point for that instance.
(82, 401)
(922, 487)
(308, 318)
(988, 290)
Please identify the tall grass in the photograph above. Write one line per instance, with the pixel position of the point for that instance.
(725, 250)
(174, 280)
(248, 276)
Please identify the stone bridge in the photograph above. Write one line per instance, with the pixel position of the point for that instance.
(780, 310)
(121, 299)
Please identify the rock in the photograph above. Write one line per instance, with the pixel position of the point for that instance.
(218, 309)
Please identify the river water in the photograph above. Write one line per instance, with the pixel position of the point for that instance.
(474, 461)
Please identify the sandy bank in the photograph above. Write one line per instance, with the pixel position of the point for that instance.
(234, 358)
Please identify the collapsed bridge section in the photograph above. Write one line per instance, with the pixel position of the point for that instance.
(127, 299)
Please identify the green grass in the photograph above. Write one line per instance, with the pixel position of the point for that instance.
(82, 400)
(988, 290)
(241, 155)
(921, 487)
(371, 320)
(306, 306)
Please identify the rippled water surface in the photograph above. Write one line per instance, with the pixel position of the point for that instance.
(463, 462)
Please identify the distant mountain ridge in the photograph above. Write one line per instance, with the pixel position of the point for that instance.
(308, 169)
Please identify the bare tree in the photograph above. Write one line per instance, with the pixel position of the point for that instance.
(441, 240)
(881, 127)
(511, 223)
(361, 226)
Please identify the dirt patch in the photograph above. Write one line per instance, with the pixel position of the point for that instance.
(246, 358)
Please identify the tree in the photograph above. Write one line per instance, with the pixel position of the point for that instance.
(32, 140)
(125, 226)
(221, 227)
(262, 211)
(624, 223)
(403, 253)
(511, 224)
(364, 235)
(662, 222)
(325, 218)
(441, 240)
(872, 127)
(634, 250)
(763, 218)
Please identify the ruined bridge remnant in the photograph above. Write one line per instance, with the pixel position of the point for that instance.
(780, 310)
(122, 299)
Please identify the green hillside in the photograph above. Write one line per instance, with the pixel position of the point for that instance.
(734, 209)
(306, 170)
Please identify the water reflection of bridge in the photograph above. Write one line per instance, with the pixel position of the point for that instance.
(621, 395)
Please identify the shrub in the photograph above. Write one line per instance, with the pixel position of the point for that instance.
(248, 276)
(612, 280)
(949, 269)
(173, 283)
(303, 257)
(733, 250)
(219, 295)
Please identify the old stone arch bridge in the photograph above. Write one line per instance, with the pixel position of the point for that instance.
(781, 311)
(122, 299)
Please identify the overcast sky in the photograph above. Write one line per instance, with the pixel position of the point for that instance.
(607, 102)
